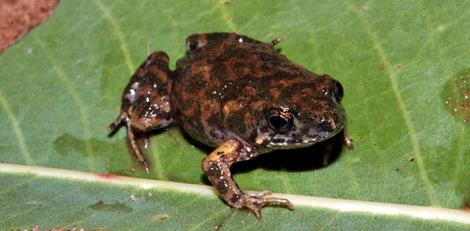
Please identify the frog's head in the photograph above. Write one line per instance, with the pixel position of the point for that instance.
(311, 114)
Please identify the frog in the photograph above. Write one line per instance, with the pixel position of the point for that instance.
(238, 95)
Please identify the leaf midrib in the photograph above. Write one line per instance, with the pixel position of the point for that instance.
(340, 205)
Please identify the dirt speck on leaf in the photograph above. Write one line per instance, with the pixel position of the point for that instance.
(113, 207)
(161, 217)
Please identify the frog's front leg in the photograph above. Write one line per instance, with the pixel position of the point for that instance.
(217, 168)
(347, 140)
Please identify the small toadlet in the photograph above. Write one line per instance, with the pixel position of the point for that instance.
(239, 95)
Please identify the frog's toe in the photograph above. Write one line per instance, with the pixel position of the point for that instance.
(115, 124)
(255, 202)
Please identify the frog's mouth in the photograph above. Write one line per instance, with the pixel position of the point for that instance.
(298, 138)
(302, 140)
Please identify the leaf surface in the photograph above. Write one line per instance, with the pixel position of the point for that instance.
(404, 67)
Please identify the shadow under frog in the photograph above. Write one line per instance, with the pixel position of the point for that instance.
(239, 96)
(293, 160)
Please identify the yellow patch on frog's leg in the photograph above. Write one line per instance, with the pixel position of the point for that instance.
(217, 168)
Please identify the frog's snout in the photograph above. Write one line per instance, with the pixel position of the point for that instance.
(327, 128)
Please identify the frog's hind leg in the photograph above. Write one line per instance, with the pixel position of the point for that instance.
(145, 102)
(136, 149)
(123, 118)
(217, 168)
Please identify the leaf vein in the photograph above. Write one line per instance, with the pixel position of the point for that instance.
(120, 35)
(401, 104)
(285, 180)
(16, 128)
(461, 136)
(75, 96)
(226, 16)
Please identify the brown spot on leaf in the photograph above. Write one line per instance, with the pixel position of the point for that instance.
(161, 217)
(382, 66)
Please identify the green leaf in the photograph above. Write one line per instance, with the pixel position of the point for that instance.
(404, 67)
(103, 201)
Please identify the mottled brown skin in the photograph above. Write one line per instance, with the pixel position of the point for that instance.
(145, 101)
(237, 94)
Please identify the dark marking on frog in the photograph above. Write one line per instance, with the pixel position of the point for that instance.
(235, 198)
(239, 95)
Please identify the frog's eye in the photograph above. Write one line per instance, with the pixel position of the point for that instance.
(280, 120)
(338, 90)
(192, 45)
(195, 42)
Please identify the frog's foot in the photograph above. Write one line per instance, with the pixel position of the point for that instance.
(255, 202)
(347, 140)
(217, 168)
(122, 117)
(275, 41)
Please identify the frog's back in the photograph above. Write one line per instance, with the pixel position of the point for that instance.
(225, 81)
